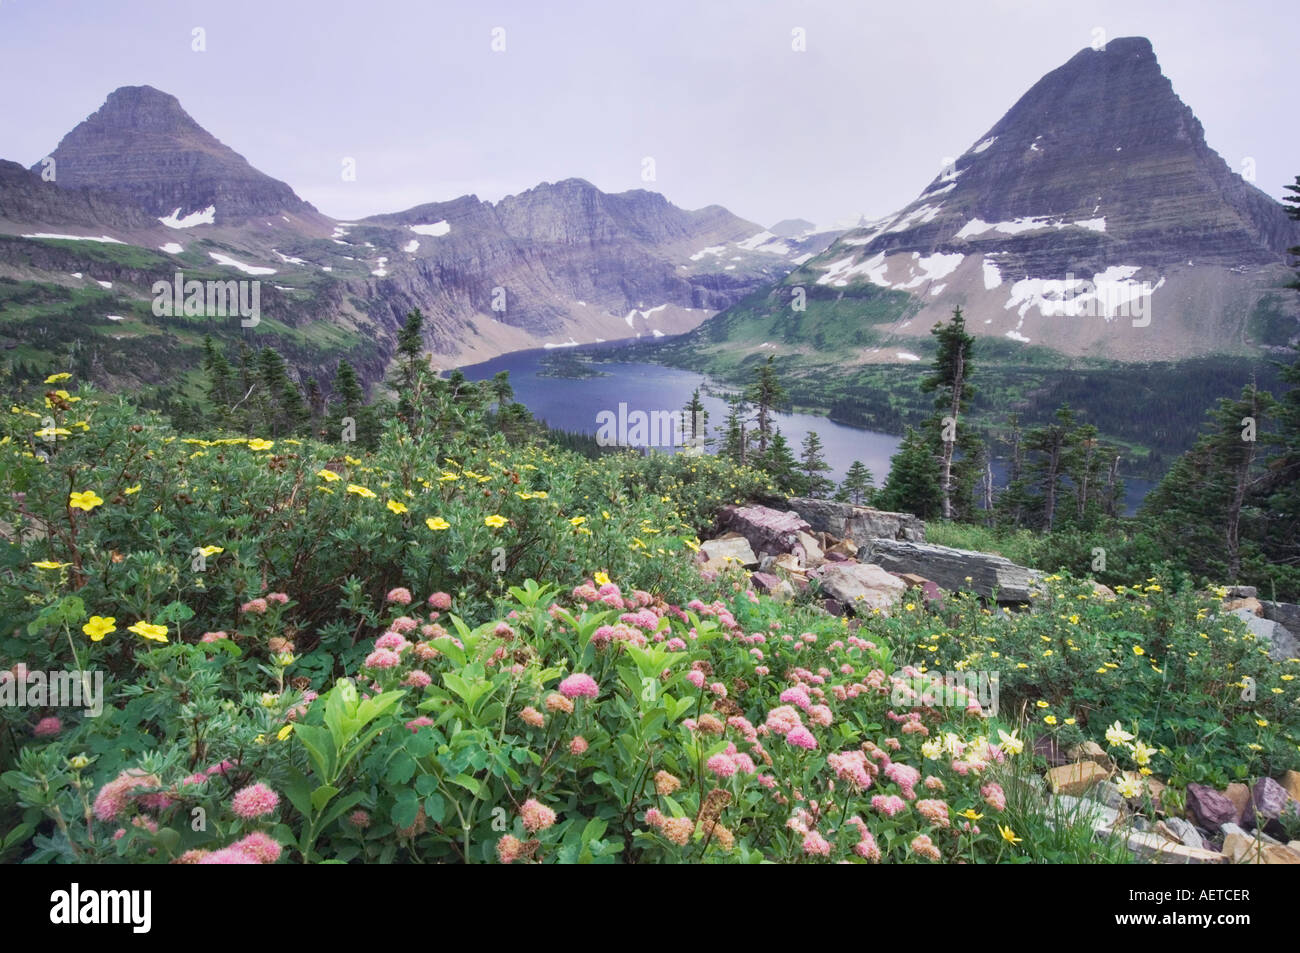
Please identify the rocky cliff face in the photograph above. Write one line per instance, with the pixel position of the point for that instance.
(26, 197)
(141, 144)
(1092, 218)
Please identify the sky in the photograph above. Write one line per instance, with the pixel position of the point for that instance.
(714, 92)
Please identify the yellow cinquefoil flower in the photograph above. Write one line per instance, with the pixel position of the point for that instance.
(259, 444)
(437, 523)
(328, 476)
(147, 630)
(361, 491)
(397, 507)
(495, 521)
(56, 378)
(99, 626)
(85, 500)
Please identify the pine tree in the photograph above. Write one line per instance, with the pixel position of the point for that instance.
(913, 482)
(765, 393)
(857, 485)
(735, 438)
(1052, 443)
(950, 381)
(411, 365)
(696, 420)
(812, 466)
(1198, 510)
(778, 462)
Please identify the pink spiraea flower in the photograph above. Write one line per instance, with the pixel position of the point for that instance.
(255, 800)
(536, 816)
(579, 685)
(399, 596)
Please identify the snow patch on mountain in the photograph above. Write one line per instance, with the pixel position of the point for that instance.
(229, 262)
(175, 220)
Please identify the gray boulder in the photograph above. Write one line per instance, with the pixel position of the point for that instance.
(991, 576)
(730, 549)
(768, 530)
(859, 586)
(1281, 643)
(858, 523)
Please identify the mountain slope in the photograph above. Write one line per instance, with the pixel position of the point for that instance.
(142, 191)
(143, 145)
(1092, 219)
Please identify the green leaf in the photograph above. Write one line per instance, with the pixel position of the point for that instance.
(298, 790)
(469, 783)
(322, 796)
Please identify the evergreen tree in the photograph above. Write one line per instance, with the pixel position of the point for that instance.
(765, 393)
(778, 462)
(1198, 510)
(411, 368)
(1052, 443)
(949, 379)
(913, 482)
(857, 485)
(696, 420)
(813, 466)
(735, 439)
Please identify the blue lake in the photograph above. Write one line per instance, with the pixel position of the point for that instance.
(574, 405)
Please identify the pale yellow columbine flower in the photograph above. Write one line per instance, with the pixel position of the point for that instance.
(1129, 787)
(495, 521)
(1116, 735)
(147, 630)
(397, 507)
(85, 500)
(1011, 744)
(437, 523)
(932, 749)
(258, 443)
(1141, 753)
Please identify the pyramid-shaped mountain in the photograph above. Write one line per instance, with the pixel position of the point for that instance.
(143, 146)
(1094, 200)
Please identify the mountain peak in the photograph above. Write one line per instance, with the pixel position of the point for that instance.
(142, 144)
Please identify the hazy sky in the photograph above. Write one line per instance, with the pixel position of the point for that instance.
(710, 89)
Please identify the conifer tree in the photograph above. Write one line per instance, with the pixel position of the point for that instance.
(813, 467)
(949, 379)
(765, 393)
(913, 482)
(778, 462)
(857, 485)
(696, 420)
